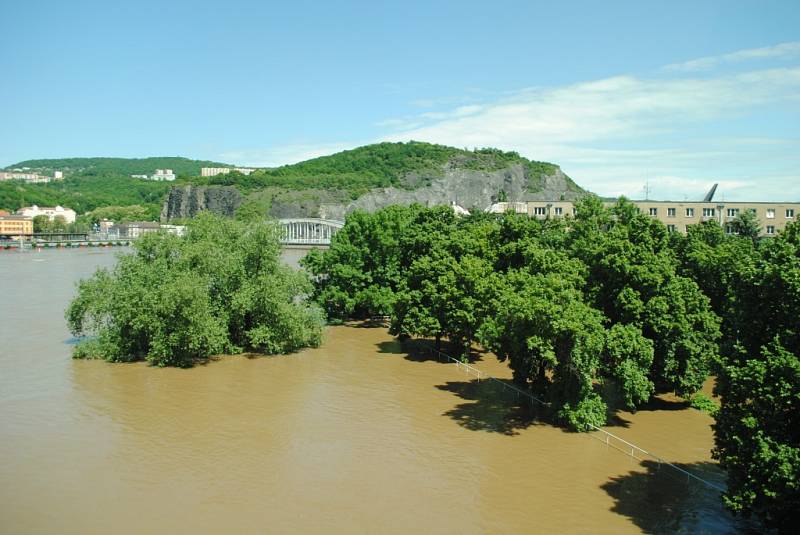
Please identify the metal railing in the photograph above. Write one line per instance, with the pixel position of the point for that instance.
(610, 439)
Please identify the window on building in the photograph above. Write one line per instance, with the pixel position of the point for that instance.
(708, 212)
(671, 228)
(733, 212)
(574, 211)
(770, 213)
(539, 210)
(790, 213)
(770, 230)
(752, 211)
(671, 212)
(729, 229)
(690, 212)
(559, 210)
(653, 211)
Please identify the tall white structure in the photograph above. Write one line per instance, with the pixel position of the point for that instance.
(58, 175)
(163, 174)
(57, 211)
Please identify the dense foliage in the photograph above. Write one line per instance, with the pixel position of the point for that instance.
(403, 165)
(86, 193)
(176, 301)
(758, 424)
(93, 183)
(117, 166)
(42, 223)
(589, 314)
(599, 312)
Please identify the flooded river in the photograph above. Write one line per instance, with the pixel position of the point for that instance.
(354, 437)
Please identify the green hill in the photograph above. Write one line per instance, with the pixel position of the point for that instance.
(118, 166)
(403, 165)
(98, 182)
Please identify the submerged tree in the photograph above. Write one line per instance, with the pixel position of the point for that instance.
(359, 275)
(175, 301)
(757, 432)
(633, 279)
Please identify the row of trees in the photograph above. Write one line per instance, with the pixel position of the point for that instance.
(599, 312)
(590, 316)
(178, 300)
(754, 285)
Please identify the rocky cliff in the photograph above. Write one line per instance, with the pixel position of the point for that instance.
(375, 176)
(467, 188)
(188, 201)
(474, 189)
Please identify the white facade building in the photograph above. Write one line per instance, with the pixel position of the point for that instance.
(31, 178)
(502, 207)
(214, 171)
(57, 211)
(163, 174)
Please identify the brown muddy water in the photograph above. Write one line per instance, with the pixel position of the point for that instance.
(354, 437)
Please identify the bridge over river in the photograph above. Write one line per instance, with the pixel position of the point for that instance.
(309, 231)
(297, 231)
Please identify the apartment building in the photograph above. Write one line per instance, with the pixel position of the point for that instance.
(30, 178)
(772, 216)
(214, 171)
(15, 225)
(163, 175)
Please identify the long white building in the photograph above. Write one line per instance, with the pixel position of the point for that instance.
(51, 212)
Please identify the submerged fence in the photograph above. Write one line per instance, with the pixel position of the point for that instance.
(598, 433)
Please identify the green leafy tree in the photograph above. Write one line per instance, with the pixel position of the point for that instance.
(633, 279)
(553, 341)
(359, 275)
(177, 300)
(757, 432)
(746, 225)
(442, 297)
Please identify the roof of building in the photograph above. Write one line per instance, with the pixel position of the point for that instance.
(44, 208)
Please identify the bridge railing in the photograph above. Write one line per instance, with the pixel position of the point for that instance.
(610, 439)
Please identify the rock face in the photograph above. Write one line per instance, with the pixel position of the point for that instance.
(188, 201)
(465, 187)
(475, 189)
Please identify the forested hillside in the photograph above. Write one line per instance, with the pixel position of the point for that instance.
(117, 166)
(85, 193)
(402, 165)
(93, 183)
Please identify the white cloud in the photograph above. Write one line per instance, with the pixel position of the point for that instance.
(783, 50)
(613, 134)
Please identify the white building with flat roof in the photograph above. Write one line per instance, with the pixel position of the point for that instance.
(214, 171)
(163, 174)
(56, 211)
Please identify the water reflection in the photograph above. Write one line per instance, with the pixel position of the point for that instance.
(363, 434)
(660, 500)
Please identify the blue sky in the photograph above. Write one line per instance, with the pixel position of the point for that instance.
(676, 94)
